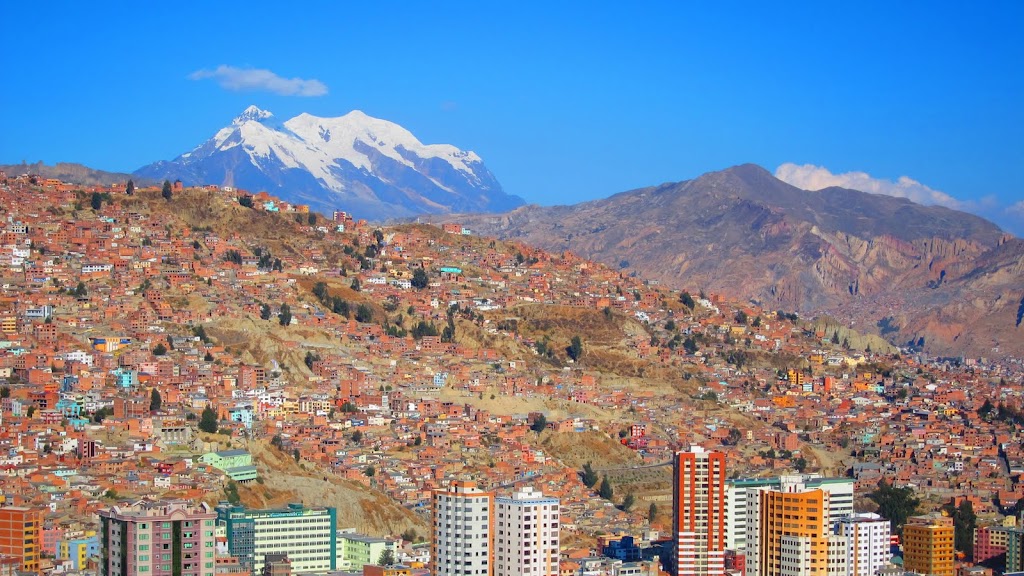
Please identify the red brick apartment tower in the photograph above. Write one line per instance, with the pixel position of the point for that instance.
(21, 535)
(698, 513)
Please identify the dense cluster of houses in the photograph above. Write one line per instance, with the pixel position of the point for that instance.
(118, 329)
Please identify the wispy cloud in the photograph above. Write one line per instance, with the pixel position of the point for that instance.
(811, 177)
(1016, 209)
(256, 79)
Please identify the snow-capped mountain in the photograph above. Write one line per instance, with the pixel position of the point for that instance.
(370, 167)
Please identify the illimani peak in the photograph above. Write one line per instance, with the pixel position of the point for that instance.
(368, 166)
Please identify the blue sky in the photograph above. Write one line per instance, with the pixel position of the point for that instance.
(564, 102)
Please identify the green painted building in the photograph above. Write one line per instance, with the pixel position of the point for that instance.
(237, 464)
(358, 550)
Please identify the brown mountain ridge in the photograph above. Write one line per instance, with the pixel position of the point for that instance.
(943, 280)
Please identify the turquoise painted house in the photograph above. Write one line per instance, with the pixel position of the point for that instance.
(237, 464)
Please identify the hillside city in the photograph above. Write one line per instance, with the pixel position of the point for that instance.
(265, 389)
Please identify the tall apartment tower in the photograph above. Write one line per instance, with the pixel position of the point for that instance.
(840, 501)
(21, 531)
(788, 532)
(526, 535)
(698, 514)
(463, 529)
(868, 543)
(157, 538)
(1012, 540)
(928, 545)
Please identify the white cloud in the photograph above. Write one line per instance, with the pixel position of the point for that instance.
(255, 79)
(811, 177)
(1016, 209)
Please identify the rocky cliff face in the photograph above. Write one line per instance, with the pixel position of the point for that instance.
(946, 280)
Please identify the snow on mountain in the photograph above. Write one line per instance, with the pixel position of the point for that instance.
(365, 165)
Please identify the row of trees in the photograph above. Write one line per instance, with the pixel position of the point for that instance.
(574, 350)
(607, 491)
(899, 504)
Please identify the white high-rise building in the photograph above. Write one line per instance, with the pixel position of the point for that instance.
(868, 537)
(736, 505)
(526, 535)
(788, 532)
(462, 531)
(838, 564)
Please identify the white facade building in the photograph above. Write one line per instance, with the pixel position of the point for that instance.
(526, 535)
(737, 512)
(868, 537)
(462, 531)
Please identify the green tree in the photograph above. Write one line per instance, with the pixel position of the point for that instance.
(96, 201)
(606, 491)
(129, 188)
(420, 279)
(277, 442)
(100, 414)
(734, 437)
(208, 357)
(200, 333)
(245, 201)
(265, 312)
(369, 471)
(311, 219)
(364, 313)
(285, 315)
(575, 349)
(985, 412)
(800, 464)
(167, 192)
(355, 285)
(357, 436)
(424, 328)
(964, 523)
(539, 423)
(690, 345)
(894, 504)
(589, 476)
(741, 317)
(628, 502)
(387, 557)
(5, 392)
(81, 291)
(320, 291)
(310, 359)
(160, 349)
(652, 512)
(208, 420)
(231, 492)
(686, 300)
(155, 401)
